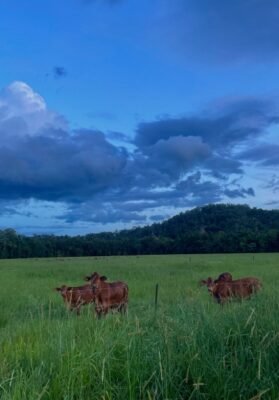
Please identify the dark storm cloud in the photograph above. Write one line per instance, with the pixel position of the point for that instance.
(59, 72)
(49, 168)
(230, 123)
(273, 183)
(236, 193)
(10, 208)
(266, 154)
(134, 204)
(222, 31)
(221, 167)
(199, 147)
(103, 215)
(119, 136)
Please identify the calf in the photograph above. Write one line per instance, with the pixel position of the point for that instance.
(75, 297)
(240, 288)
(108, 296)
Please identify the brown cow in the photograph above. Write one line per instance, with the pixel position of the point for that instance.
(240, 288)
(224, 277)
(75, 297)
(108, 295)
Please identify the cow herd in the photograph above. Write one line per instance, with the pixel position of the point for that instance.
(106, 296)
(114, 296)
(225, 288)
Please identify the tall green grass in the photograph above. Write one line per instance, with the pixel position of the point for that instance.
(191, 348)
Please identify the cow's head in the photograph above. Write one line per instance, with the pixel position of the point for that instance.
(90, 278)
(209, 283)
(63, 289)
(205, 282)
(95, 280)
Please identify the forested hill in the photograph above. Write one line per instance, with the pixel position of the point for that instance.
(211, 229)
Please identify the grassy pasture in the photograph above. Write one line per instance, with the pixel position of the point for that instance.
(191, 349)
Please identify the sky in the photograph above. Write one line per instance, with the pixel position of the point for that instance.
(120, 113)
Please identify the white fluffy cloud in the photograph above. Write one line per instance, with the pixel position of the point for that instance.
(24, 112)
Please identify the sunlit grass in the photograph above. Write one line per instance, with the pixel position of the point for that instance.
(191, 348)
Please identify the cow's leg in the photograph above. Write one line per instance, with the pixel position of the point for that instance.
(78, 310)
(220, 300)
(98, 311)
(123, 308)
(105, 310)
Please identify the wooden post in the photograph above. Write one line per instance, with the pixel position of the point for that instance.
(156, 296)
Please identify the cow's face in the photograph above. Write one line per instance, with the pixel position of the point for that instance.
(97, 283)
(206, 282)
(92, 277)
(95, 280)
(63, 289)
(210, 285)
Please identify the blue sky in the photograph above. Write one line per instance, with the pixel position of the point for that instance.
(116, 113)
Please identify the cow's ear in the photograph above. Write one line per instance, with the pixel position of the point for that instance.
(103, 278)
(209, 280)
(87, 278)
(57, 289)
(203, 282)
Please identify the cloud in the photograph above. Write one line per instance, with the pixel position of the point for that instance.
(104, 215)
(172, 164)
(224, 123)
(236, 193)
(59, 72)
(273, 183)
(41, 158)
(221, 31)
(265, 154)
(23, 112)
(53, 169)
(172, 157)
(140, 204)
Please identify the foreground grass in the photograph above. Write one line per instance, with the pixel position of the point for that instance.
(189, 349)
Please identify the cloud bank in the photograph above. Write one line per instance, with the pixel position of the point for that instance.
(178, 162)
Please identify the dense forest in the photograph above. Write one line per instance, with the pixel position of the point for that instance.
(210, 229)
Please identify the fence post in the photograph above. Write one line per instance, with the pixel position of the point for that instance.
(156, 296)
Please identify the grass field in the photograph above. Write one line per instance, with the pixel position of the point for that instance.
(190, 349)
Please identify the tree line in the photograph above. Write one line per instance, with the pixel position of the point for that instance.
(221, 228)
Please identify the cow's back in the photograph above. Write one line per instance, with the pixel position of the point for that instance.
(113, 294)
(240, 288)
(251, 283)
(81, 294)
